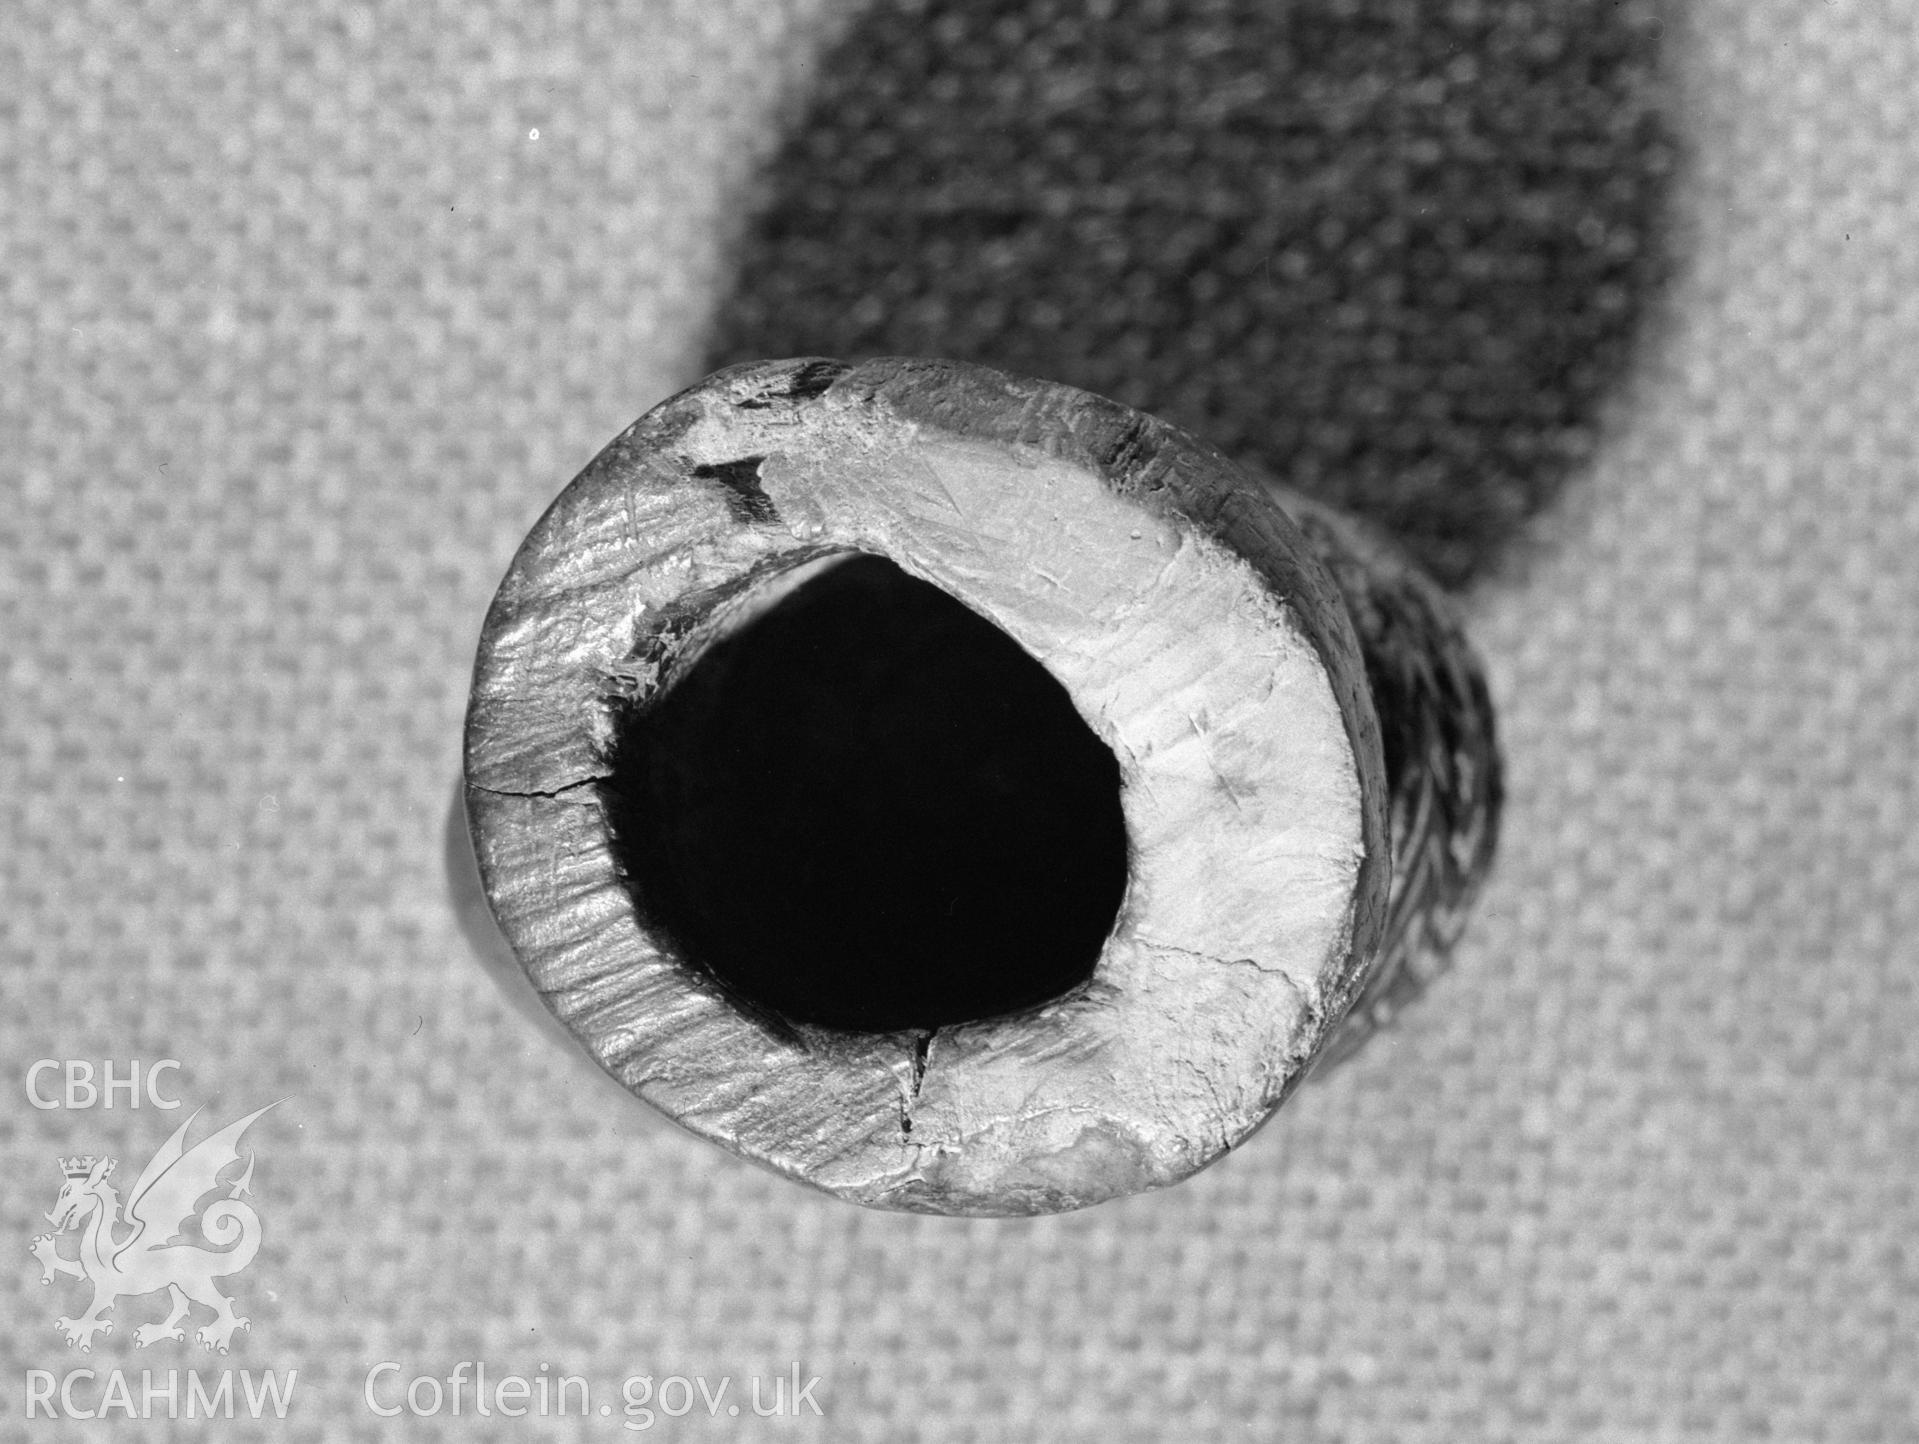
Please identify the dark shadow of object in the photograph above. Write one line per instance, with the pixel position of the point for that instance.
(1394, 253)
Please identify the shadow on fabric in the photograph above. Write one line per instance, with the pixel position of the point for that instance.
(1392, 253)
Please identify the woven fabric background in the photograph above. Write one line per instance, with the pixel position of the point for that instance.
(307, 314)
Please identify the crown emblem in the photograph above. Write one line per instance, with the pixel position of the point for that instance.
(78, 1167)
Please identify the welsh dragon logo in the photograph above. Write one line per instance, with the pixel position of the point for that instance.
(125, 1252)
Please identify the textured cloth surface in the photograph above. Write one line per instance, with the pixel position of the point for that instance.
(304, 326)
(1391, 252)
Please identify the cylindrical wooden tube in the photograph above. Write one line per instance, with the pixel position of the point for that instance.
(962, 793)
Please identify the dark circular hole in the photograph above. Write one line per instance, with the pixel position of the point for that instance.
(870, 808)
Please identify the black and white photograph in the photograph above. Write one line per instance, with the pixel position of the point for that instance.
(960, 720)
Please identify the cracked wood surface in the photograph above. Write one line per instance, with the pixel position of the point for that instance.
(1189, 622)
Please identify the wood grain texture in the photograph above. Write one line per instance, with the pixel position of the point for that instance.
(1198, 629)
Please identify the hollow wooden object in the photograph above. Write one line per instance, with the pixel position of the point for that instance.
(1310, 782)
